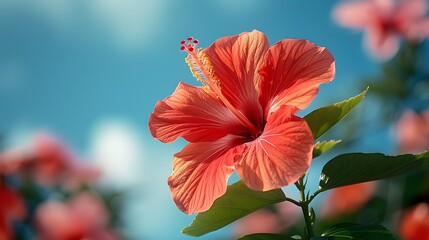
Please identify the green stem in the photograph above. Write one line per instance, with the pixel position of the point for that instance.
(314, 195)
(293, 201)
(307, 219)
(304, 206)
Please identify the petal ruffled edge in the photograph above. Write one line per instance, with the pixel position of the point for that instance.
(291, 73)
(280, 156)
(200, 173)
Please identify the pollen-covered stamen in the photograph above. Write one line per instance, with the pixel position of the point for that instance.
(197, 61)
(202, 69)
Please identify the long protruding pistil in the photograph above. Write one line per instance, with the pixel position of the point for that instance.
(201, 68)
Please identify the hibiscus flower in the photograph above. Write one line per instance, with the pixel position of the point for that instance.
(348, 199)
(268, 221)
(385, 22)
(49, 161)
(12, 208)
(415, 223)
(82, 217)
(243, 118)
(412, 131)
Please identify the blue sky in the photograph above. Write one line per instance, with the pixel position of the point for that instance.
(86, 68)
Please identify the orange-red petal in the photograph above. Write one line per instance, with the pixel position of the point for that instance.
(279, 156)
(292, 72)
(193, 114)
(235, 61)
(200, 173)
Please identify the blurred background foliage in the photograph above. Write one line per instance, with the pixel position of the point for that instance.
(88, 73)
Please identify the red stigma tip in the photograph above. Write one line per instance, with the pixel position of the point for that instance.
(189, 45)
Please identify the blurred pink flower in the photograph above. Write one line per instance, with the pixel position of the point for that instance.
(412, 131)
(266, 221)
(49, 161)
(415, 223)
(12, 160)
(12, 208)
(243, 118)
(261, 221)
(289, 213)
(82, 217)
(348, 199)
(385, 22)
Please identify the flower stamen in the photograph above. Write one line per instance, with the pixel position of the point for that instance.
(202, 69)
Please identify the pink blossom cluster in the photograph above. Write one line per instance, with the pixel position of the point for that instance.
(47, 167)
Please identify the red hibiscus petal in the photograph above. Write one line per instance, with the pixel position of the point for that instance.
(12, 204)
(200, 173)
(415, 222)
(12, 208)
(193, 114)
(235, 61)
(280, 155)
(292, 72)
(5, 229)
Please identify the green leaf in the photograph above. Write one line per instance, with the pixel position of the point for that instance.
(265, 236)
(352, 168)
(347, 231)
(322, 147)
(237, 202)
(322, 119)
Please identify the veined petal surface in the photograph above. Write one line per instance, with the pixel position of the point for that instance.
(279, 156)
(291, 73)
(235, 61)
(193, 114)
(200, 173)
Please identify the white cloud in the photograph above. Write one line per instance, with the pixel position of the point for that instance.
(117, 148)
